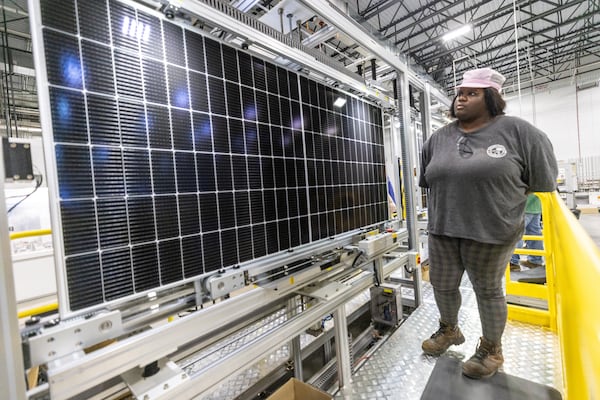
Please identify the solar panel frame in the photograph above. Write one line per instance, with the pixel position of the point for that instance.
(176, 167)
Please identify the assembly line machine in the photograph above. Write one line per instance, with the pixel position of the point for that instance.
(243, 237)
(221, 326)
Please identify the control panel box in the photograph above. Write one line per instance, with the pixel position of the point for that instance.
(386, 304)
(374, 244)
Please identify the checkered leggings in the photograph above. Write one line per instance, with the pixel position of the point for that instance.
(485, 264)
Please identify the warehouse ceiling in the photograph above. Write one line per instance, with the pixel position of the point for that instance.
(539, 41)
(532, 42)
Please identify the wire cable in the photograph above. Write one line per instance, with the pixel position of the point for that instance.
(37, 186)
(360, 253)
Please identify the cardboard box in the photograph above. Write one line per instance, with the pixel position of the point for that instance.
(588, 209)
(425, 272)
(295, 389)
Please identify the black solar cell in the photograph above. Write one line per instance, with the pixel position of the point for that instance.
(184, 155)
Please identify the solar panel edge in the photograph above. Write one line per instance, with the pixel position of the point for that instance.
(284, 111)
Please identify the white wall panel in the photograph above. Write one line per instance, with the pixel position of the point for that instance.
(556, 111)
(589, 121)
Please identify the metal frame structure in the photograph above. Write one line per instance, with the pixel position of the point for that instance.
(11, 363)
(532, 42)
(329, 281)
(552, 39)
(561, 41)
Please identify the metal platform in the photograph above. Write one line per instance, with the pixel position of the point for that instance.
(400, 370)
(235, 386)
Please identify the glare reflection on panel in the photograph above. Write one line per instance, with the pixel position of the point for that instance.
(210, 155)
(135, 29)
(71, 69)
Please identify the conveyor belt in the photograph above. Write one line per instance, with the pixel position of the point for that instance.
(399, 369)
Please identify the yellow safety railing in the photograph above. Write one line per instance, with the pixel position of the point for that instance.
(37, 310)
(46, 307)
(573, 293)
(24, 234)
(544, 292)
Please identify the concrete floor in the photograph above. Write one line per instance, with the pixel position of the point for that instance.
(591, 223)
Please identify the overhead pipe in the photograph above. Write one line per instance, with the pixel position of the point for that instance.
(517, 56)
(320, 36)
(532, 88)
(264, 36)
(349, 26)
(299, 27)
(17, 11)
(290, 16)
(374, 69)
(280, 11)
(244, 5)
(22, 129)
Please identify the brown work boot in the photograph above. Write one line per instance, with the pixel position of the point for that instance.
(445, 336)
(515, 267)
(531, 265)
(486, 360)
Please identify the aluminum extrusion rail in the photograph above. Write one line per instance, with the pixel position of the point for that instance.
(234, 20)
(70, 377)
(208, 378)
(331, 13)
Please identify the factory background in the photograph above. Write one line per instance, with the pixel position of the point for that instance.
(204, 199)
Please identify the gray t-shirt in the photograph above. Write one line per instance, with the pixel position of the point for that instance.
(478, 181)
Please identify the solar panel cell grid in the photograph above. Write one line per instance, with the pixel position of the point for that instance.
(177, 155)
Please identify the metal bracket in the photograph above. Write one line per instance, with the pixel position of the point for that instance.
(72, 336)
(325, 290)
(153, 387)
(222, 284)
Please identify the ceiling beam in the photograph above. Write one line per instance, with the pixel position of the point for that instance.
(433, 55)
(376, 8)
(452, 17)
(420, 10)
(542, 47)
(485, 19)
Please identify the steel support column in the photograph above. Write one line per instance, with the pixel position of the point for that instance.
(11, 358)
(342, 346)
(294, 344)
(407, 144)
(425, 102)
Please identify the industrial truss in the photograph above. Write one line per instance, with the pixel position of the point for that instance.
(556, 39)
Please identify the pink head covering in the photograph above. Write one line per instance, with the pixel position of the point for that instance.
(483, 78)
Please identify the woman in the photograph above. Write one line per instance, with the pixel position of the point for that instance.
(479, 170)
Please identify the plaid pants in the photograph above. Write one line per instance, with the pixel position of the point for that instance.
(485, 264)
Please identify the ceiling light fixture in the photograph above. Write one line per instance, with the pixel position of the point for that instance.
(457, 32)
(339, 102)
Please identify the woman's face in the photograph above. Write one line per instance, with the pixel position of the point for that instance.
(469, 104)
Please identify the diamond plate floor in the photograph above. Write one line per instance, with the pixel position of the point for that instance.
(400, 370)
(236, 385)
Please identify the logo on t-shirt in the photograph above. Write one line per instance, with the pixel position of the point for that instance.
(496, 151)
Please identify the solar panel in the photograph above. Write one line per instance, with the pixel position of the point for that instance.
(177, 155)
